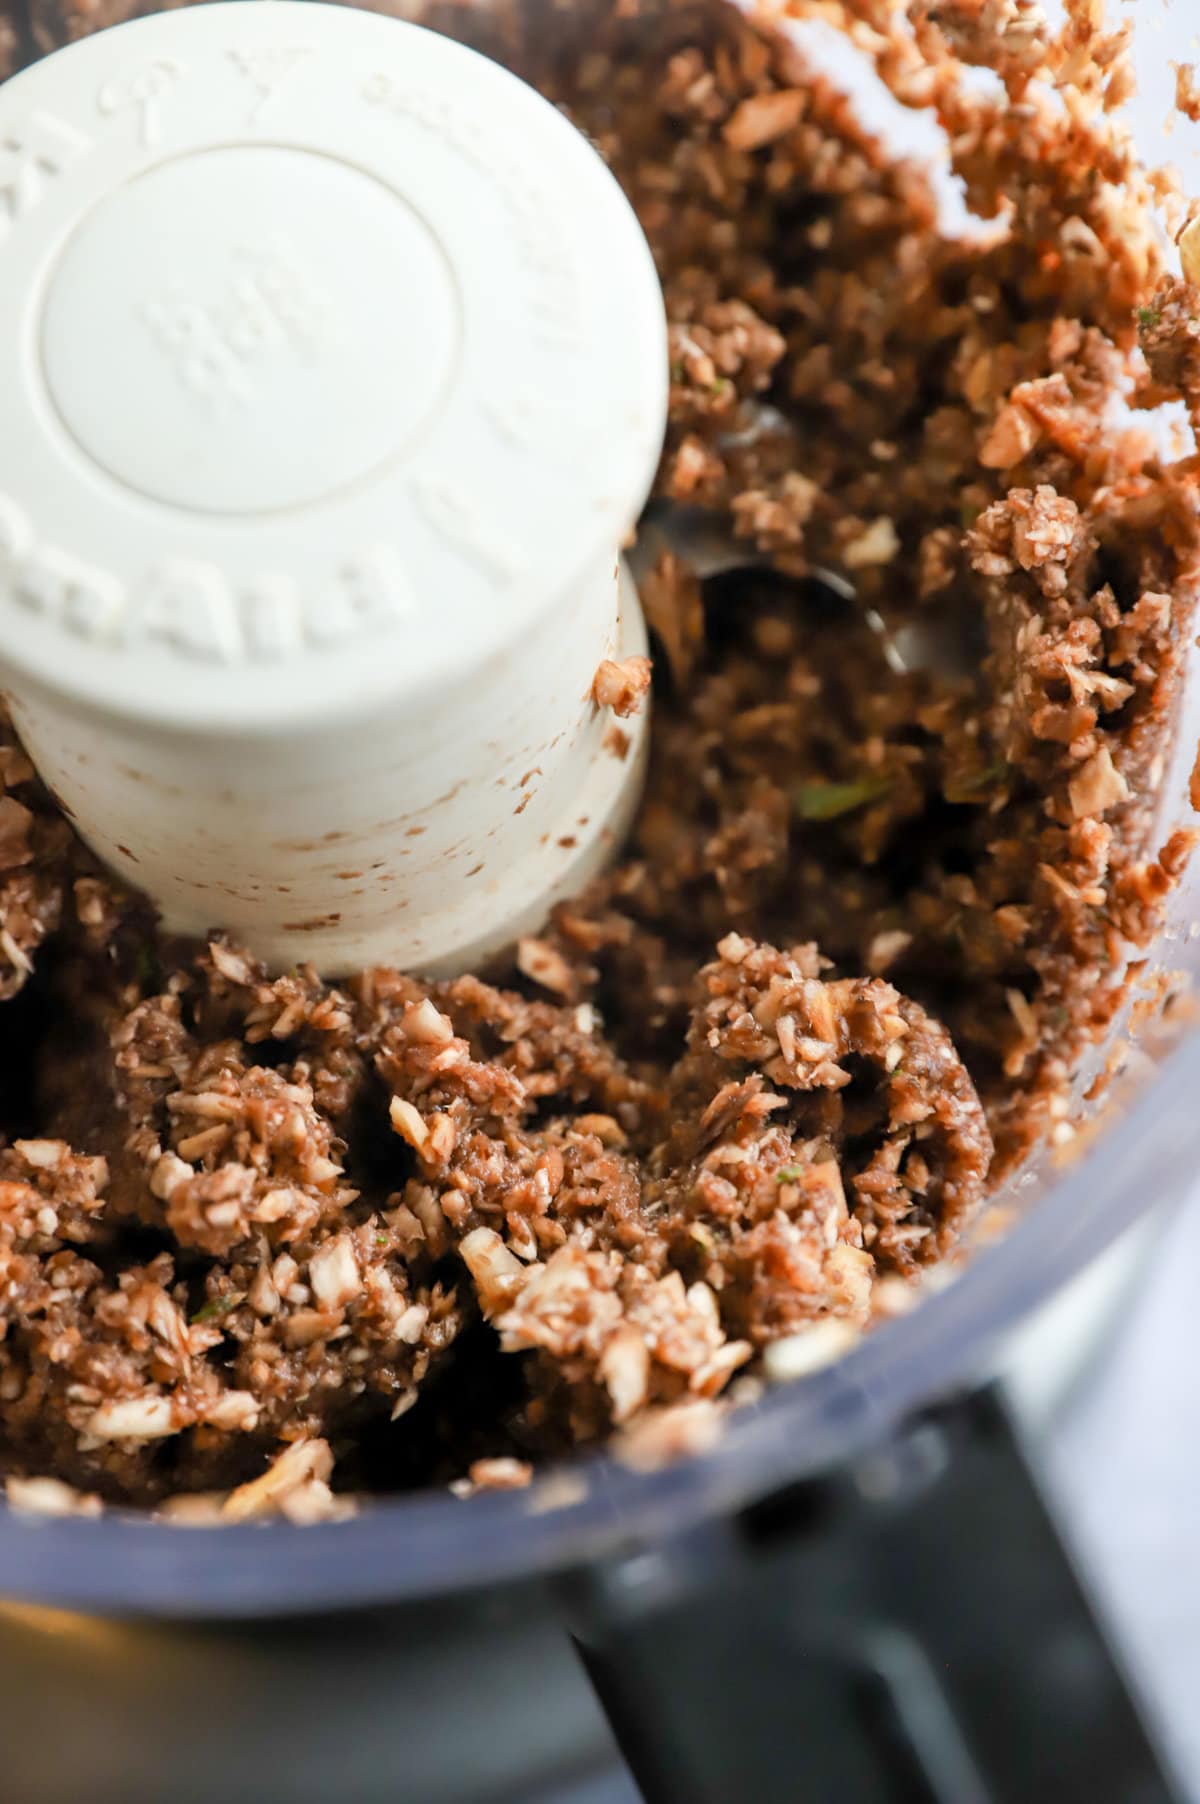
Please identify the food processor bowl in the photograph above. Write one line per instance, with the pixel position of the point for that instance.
(1134, 1155)
(1135, 1152)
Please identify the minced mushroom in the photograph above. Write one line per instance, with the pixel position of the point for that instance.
(266, 1238)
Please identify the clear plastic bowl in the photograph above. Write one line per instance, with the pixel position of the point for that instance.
(1141, 1154)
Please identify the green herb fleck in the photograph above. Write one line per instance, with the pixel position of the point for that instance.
(720, 387)
(218, 1307)
(787, 1174)
(146, 969)
(827, 801)
(972, 788)
(1149, 316)
(381, 1240)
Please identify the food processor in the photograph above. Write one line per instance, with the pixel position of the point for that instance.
(854, 1591)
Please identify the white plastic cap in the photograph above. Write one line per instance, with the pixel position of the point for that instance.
(333, 372)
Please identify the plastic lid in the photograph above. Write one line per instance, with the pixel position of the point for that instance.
(330, 354)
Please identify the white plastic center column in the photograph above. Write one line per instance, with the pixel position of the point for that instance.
(333, 371)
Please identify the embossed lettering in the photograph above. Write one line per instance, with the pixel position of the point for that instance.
(204, 364)
(370, 591)
(552, 298)
(85, 599)
(274, 274)
(142, 90)
(269, 300)
(31, 156)
(189, 606)
(270, 612)
(520, 415)
(268, 69)
(453, 514)
(16, 536)
(192, 608)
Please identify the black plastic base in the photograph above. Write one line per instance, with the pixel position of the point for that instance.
(909, 1631)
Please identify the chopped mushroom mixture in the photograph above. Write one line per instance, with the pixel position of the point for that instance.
(266, 1241)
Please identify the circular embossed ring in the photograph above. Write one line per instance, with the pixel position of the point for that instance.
(334, 370)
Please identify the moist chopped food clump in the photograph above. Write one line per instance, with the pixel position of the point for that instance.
(921, 584)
